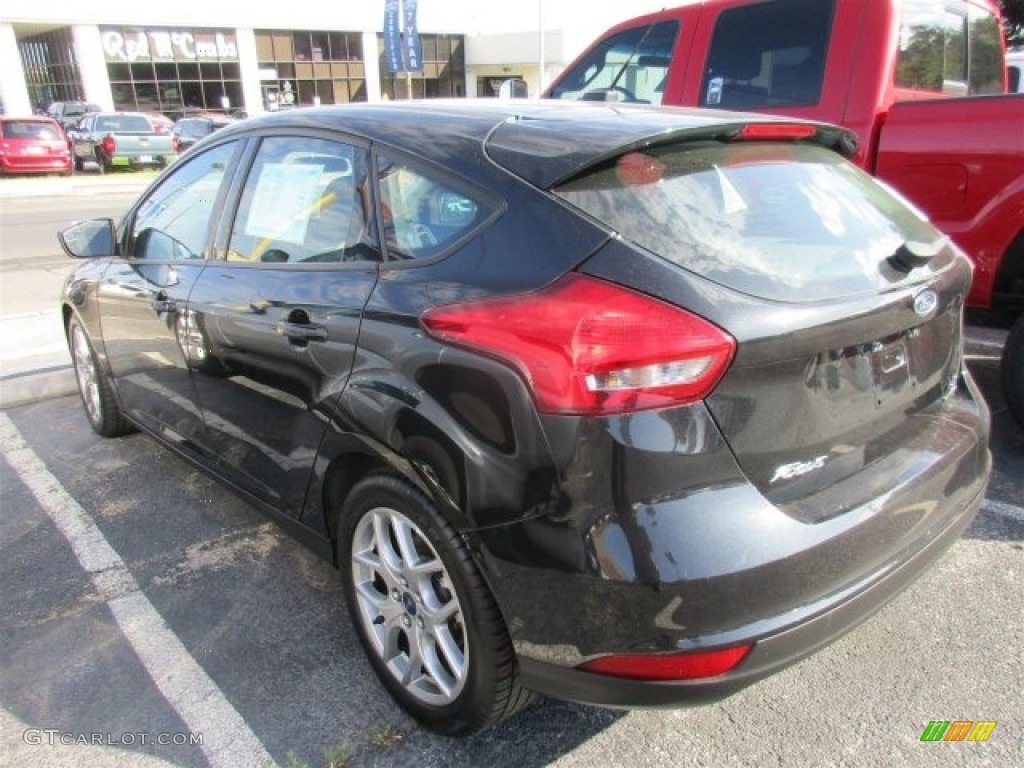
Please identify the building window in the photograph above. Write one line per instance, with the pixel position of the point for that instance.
(443, 75)
(306, 68)
(51, 71)
(173, 71)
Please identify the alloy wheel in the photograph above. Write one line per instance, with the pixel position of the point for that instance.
(408, 607)
(85, 372)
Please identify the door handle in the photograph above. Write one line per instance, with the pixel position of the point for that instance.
(302, 331)
(162, 304)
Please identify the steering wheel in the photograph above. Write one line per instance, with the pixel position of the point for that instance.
(615, 93)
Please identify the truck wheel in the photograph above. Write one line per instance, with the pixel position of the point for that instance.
(1013, 371)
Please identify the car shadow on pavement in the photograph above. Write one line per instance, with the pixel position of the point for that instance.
(1001, 519)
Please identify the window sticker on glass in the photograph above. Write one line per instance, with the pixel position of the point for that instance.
(284, 196)
(714, 90)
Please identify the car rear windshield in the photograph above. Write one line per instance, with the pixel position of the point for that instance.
(30, 129)
(787, 222)
(80, 109)
(124, 124)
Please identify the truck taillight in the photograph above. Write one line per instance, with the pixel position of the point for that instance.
(109, 145)
(588, 347)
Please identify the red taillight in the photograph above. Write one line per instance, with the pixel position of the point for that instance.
(108, 144)
(668, 666)
(175, 144)
(592, 348)
(761, 131)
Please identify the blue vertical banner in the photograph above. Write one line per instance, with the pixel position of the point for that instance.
(413, 48)
(393, 35)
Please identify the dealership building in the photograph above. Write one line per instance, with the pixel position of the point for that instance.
(228, 56)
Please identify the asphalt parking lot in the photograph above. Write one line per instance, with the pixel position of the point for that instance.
(202, 620)
(151, 617)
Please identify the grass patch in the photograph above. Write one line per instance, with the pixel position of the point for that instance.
(383, 736)
(338, 755)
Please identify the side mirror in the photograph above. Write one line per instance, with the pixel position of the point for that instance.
(88, 239)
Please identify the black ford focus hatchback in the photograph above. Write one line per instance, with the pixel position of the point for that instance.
(630, 406)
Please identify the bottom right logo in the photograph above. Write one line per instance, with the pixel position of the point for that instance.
(958, 730)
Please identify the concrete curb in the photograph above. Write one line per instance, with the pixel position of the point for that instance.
(74, 185)
(36, 386)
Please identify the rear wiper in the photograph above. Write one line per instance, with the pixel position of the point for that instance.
(914, 253)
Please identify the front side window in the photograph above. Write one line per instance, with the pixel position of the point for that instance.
(768, 55)
(949, 47)
(421, 213)
(629, 66)
(306, 201)
(778, 221)
(173, 223)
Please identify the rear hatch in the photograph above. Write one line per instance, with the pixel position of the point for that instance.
(845, 303)
(32, 143)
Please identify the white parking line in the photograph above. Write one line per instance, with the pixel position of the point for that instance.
(183, 683)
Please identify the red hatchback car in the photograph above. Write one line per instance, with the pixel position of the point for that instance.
(33, 145)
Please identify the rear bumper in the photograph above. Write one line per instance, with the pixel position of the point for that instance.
(35, 165)
(141, 161)
(815, 627)
(671, 550)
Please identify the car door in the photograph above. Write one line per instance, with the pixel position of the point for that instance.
(279, 311)
(148, 335)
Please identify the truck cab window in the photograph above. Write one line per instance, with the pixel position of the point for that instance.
(768, 55)
(628, 66)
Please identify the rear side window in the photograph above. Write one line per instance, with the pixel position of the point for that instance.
(629, 66)
(423, 213)
(768, 55)
(950, 47)
(776, 221)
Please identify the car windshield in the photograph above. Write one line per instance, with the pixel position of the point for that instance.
(782, 222)
(630, 66)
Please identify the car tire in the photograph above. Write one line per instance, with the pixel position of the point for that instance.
(94, 386)
(1013, 371)
(429, 624)
(77, 163)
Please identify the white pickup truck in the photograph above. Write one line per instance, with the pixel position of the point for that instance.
(124, 139)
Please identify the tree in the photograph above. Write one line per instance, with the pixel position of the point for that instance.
(1013, 17)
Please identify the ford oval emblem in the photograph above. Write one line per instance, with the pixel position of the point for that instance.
(925, 303)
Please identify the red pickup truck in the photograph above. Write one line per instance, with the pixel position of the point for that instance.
(922, 83)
